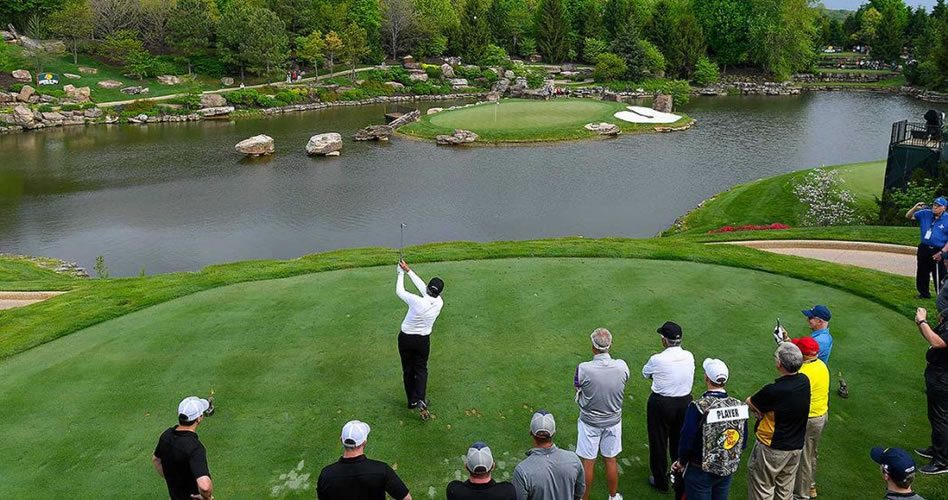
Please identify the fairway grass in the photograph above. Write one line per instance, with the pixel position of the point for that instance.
(292, 359)
(521, 120)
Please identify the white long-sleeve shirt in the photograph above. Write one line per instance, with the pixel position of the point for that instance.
(672, 372)
(423, 310)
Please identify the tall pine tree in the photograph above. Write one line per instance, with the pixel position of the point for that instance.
(475, 32)
(552, 31)
(614, 16)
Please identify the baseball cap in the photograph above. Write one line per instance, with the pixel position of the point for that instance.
(941, 200)
(192, 407)
(435, 286)
(542, 424)
(897, 462)
(716, 370)
(479, 458)
(807, 345)
(670, 331)
(818, 311)
(354, 433)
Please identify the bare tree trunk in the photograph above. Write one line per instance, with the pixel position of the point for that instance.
(75, 51)
(316, 69)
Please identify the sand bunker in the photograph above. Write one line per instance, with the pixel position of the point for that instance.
(638, 114)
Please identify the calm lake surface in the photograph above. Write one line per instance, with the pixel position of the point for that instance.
(175, 197)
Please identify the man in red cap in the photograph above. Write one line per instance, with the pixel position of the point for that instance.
(815, 370)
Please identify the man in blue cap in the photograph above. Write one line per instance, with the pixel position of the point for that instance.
(933, 244)
(818, 319)
(898, 470)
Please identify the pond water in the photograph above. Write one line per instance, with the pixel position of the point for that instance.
(175, 197)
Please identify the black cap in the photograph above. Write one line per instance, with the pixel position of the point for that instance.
(435, 286)
(670, 331)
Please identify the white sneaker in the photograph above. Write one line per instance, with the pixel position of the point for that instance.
(618, 496)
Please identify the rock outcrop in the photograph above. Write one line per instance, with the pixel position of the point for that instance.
(396, 86)
(417, 75)
(374, 133)
(603, 128)
(663, 103)
(405, 119)
(457, 83)
(23, 116)
(217, 111)
(22, 75)
(78, 94)
(213, 101)
(168, 80)
(447, 70)
(324, 144)
(135, 90)
(25, 94)
(258, 145)
(434, 111)
(457, 138)
(227, 81)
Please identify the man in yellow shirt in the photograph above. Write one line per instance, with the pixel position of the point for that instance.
(816, 371)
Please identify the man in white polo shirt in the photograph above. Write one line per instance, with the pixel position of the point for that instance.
(414, 342)
(600, 391)
(672, 372)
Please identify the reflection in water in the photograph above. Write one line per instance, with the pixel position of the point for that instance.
(176, 197)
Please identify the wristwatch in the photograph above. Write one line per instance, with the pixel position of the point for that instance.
(919, 322)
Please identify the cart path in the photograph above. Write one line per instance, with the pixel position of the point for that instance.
(895, 259)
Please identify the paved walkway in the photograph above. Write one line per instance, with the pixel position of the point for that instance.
(9, 300)
(895, 259)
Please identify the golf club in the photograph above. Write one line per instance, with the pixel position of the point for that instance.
(401, 243)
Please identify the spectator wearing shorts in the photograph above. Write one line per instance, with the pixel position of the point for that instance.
(600, 392)
(548, 473)
(479, 463)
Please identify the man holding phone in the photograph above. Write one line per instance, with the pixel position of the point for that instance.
(933, 246)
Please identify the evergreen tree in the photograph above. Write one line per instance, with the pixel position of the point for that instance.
(191, 27)
(725, 24)
(660, 29)
(889, 39)
(475, 33)
(552, 31)
(687, 47)
(614, 16)
(252, 37)
(626, 45)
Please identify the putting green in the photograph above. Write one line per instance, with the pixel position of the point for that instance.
(519, 120)
(291, 360)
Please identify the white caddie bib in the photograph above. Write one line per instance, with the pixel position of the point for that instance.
(728, 414)
(928, 234)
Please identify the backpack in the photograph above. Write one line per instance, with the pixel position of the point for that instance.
(723, 434)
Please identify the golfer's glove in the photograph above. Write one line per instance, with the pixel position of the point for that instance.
(780, 334)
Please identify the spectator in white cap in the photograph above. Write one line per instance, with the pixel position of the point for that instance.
(480, 486)
(712, 438)
(356, 477)
(600, 391)
(548, 473)
(180, 457)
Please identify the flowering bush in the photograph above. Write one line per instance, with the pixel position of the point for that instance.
(827, 202)
(749, 227)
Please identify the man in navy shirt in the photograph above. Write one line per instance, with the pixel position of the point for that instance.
(933, 244)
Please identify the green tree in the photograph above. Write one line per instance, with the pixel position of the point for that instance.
(687, 47)
(781, 34)
(653, 60)
(312, 48)
(73, 23)
(400, 24)
(609, 67)
(191, 28)
(299, 16)
(333, 46)
(706, 72)
(660, 28)
(251, 37)
(592, 47)
(552, 30)
(614, 16)
(889, 39)
(868, 26)
(725, 25)
(626, 45)
(355, 46)
(19, 11)
(475, 33)
(368, 15)
(119, 46)
(140, 63)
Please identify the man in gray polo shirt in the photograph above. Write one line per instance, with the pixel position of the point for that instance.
(548, 473)
(600, 391)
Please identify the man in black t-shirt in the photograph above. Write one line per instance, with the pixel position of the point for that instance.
(782, 410)
(355, 477)
(936, 388)
(180, 457)
(480, 486)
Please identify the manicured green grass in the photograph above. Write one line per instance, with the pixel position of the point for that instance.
(888, 83)
(519, 120)
(18, 273)
(858, 71)
(771, 200)
(291, 360)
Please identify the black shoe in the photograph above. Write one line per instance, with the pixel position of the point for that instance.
(653, 484)
(423, 410)
(934, 468)
(925, 452)
(923, 296)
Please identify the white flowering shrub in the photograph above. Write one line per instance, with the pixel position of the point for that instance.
(827, 202)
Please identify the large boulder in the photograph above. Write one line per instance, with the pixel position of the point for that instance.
(5, 97)
(23, 116)
(216, 111)
(500, 86)
(457, 138)
(168, 80)
(457, 83)
(213, 101)
(418, 75)
(258, 145)
(452, 61)
(25, 94)
(405, 119)
(509, 74)
(227, 81)
(92, 113)
(374, 133)
(447, 70)
(108, 84)
(603, 128)
(397, 87)
(78, 94)
(663, 103)
(434, 111)
(134, 90)
(324, 144)
(22, 75)
(52, 118)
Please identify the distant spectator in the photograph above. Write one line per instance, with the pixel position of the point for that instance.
(180, 457)
(929, 261)
(480, 486)
(356, 477)
(818, 320)
(936, 388)
(712, 438)
(600, 392)
(548, 473)
(672, 372)
(782, 410)
(819, 377)
(898, 470)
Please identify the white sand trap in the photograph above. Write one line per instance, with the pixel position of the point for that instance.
(638, 114)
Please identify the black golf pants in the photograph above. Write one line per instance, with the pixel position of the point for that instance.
(936, 388)
(664, 417)
(414, 350)
(926, 267)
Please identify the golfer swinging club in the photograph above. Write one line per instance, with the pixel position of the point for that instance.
(414, 342)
